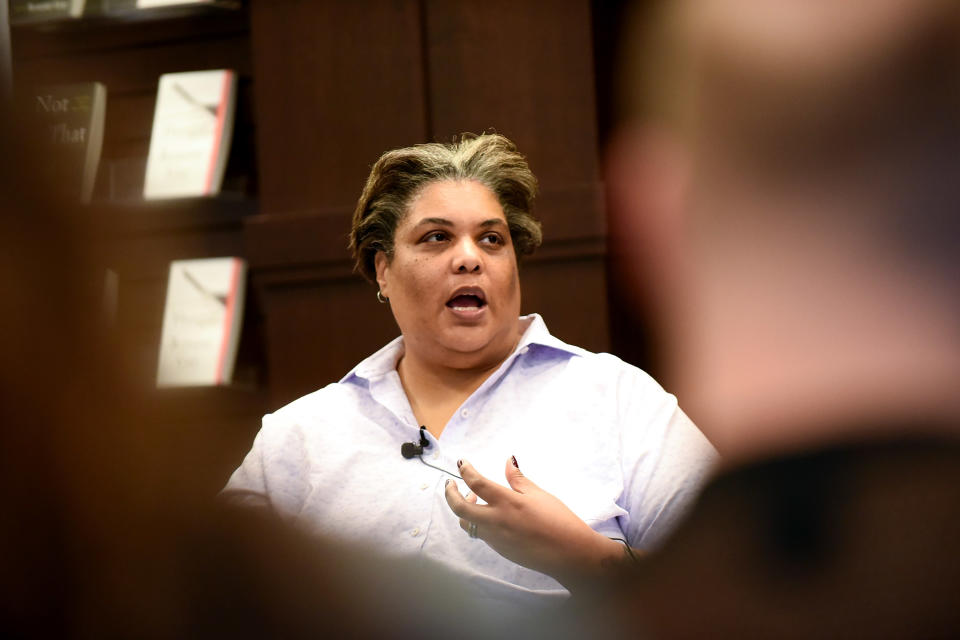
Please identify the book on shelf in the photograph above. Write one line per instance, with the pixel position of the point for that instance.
(27, 11)
(192, 129)
(150, 4)
(130, 8)
(202, 320)
(71, 118)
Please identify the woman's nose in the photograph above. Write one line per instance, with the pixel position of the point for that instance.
(467, 258)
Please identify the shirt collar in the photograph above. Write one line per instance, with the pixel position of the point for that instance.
(385, 360)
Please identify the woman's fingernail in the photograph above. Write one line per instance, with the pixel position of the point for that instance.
(446, 483)
(459, 463)
(514, 460)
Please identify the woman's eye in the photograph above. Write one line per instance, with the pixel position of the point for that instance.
(492, 238)
(434, 236)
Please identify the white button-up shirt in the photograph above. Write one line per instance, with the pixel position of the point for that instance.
(596, 432)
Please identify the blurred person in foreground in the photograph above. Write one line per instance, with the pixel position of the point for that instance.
(784, 196)
(483, 392)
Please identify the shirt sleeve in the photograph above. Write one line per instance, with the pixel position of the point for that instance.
(247, 485)
(666, 460)
(276, 471)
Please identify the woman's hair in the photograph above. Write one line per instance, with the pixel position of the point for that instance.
(399, 176)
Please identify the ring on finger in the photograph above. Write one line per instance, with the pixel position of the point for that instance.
(472, 530)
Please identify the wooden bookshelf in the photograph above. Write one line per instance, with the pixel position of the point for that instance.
(127, 50)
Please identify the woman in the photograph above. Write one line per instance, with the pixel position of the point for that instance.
(440, 228)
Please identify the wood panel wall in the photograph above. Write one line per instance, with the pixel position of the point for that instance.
(339, 84)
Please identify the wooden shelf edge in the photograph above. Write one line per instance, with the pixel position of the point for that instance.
(98, 18)
(176, 215)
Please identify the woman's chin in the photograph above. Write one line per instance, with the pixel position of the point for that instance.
(469, 344)
(474, 346)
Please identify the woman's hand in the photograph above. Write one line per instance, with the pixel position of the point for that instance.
(533, 528)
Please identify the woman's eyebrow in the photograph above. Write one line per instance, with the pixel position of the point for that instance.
(443, 222)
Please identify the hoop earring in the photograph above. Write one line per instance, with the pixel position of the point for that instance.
(381, 298)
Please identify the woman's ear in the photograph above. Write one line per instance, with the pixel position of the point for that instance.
(382, 265)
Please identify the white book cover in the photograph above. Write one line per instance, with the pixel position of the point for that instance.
(22, 11)
(149, 4)
(192, 128)
(202, 320)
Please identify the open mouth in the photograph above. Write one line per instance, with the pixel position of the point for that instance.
(467, 301)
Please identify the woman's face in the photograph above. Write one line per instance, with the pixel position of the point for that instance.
(453, 283)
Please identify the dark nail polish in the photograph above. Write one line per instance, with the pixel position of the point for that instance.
(459, 463)
(514, 459)
(446, 483)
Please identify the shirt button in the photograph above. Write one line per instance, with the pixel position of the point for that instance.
(424, 486)
(415, 532)
(465, 413)
(524, 350)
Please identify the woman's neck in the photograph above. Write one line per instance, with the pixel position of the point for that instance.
(435, 391)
